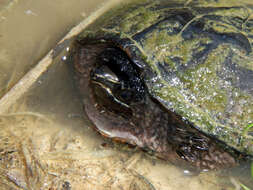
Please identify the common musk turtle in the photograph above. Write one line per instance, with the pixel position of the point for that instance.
(172, 77)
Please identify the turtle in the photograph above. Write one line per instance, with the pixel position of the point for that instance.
(174, 78)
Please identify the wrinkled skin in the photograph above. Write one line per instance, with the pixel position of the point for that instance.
(123, 87)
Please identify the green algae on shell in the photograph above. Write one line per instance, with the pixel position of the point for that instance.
(195, 58)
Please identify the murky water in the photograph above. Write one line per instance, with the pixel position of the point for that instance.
(45, 142)
(28, 29)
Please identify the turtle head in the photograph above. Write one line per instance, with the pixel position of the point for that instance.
(112, 90)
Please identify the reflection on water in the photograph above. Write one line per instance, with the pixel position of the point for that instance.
(46, 143)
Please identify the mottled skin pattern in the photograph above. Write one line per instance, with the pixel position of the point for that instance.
(195, 60)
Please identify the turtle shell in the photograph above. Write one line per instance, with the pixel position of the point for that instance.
(193, 58)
